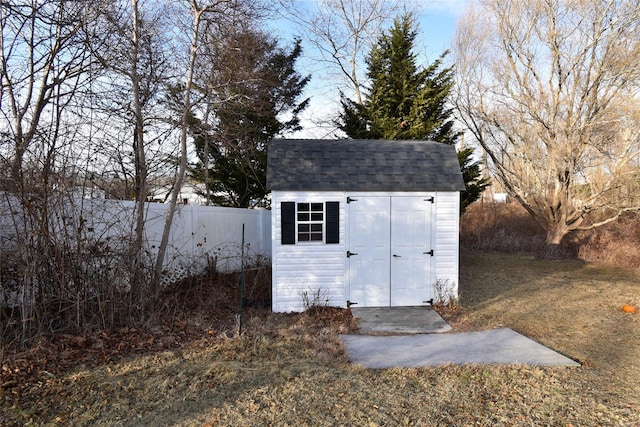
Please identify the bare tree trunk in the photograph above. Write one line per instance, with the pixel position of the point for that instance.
(182, 168)
(140, 163)
(205, 150)
(555, 234)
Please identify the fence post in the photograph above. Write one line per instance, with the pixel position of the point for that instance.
(241, 282)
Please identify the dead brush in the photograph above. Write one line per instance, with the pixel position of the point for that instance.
(614, 244)
(507, 227)
(504, 227)
(445, 295)
(314, 299)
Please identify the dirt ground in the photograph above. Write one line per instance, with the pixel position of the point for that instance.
(193, 367)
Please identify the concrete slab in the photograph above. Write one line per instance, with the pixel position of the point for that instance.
(498, 346)
(399, 320)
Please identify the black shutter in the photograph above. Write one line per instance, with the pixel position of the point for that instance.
(333, 222)
(288, 222)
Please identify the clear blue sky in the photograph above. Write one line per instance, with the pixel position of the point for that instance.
(437, 26)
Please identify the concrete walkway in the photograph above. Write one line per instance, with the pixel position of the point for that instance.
(399, 320)
(427, 347)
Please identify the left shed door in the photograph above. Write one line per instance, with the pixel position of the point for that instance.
(369, 268)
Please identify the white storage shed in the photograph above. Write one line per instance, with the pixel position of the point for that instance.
(367, 222)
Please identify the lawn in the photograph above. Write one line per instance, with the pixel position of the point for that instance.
(291, 369)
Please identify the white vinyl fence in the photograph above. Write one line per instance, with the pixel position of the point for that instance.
(201, 236)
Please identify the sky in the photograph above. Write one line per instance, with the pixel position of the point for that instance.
(437, 25)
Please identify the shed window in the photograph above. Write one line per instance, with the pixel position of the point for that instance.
(310, 222)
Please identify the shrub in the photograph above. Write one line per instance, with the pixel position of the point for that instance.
(507, 227)
(504, 227)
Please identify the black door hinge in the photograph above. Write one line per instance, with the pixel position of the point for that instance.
(428, 253)
(349, 253)
(349, 200)
(350, 303)
(430, 301)
(430, 199)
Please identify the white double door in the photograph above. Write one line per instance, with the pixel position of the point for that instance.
(390, 254)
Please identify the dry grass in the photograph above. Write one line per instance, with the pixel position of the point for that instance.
(571, 306)
(291, 369)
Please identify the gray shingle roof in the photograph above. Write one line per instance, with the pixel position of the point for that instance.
(362, 165)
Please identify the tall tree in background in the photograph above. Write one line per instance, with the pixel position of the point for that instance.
(407, 102)
(550, 91)
(258, 97)
(342, 30)
(198, 13)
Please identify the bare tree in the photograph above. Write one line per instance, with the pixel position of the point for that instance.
(42, 65)
(138, 135)
(63, 273)
(132, 44)
(550, 90)
(128, 42)
(343, 31)
(217, 29)
(197, 14)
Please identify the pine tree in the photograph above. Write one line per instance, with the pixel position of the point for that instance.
(261, 91)
(407, 102)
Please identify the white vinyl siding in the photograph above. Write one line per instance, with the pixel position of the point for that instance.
(446, 238)
(306, 267)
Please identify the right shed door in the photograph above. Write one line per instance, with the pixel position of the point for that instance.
(411, 251)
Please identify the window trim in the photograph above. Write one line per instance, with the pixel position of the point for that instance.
(289, 223)
(311, 222)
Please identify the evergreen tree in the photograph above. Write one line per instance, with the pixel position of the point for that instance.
(407, 102)
(472, 176)
(260, 89)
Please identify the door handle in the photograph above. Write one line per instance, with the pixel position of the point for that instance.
(397, 256)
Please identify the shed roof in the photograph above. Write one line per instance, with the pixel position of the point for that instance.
(362, 165)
